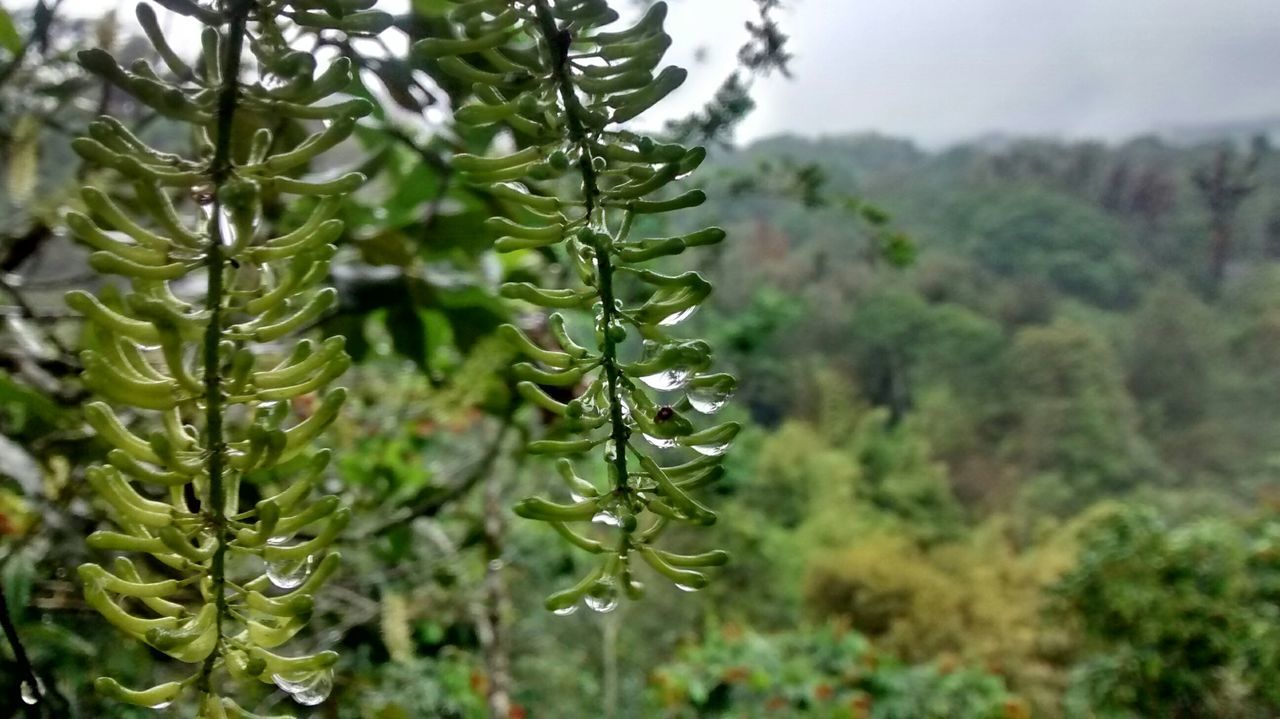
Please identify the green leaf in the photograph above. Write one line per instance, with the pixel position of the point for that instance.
(17, 577)
(9, 37)
(408, 334)
(433, 8)
(22, 174)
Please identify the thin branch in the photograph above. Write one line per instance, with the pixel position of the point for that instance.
(27, 672)
(43, 14)
(431, 500)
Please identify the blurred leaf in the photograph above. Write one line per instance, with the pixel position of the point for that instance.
(898, 249)
(20, 466)
(463, 230)
(9, 37)
(18, 577)
(27, 410)
(351, 327)
(430, 7)
(386, 248)
(408, 334)
(22, 173)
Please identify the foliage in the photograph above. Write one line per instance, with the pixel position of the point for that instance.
(976, 601)
(1182, 616)
(1077, 431)
(823, 672)
(1053, 239)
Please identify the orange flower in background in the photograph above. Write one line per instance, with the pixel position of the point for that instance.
(424, 428)
(1015, 709)
(479, 683)
(517, 712)
(870, 659)
(948, 664)
(824, 692)
(304, 405)
(733, 675)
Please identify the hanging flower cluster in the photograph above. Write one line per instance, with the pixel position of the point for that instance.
(558, 77)
(195, 361)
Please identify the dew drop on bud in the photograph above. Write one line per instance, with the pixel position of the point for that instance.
(711, 450)
(317, 691)
(608, 519)
(686, 588)
(603, 597)
(289, 574)
(32, 693)
(204, 195)
(602, 605)
(676, 318)
(565, 611)
(669, 379)
(710, 397)
(660, 442)
(307, 688)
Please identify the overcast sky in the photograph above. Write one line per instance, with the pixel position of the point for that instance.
(945, 70)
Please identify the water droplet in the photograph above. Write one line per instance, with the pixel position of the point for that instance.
(603, 597)
(565, 611)
(578, 497)
(289, 574)
(204, 195)
(687, 588)
(161, 705)
(668, 379)
(678, 317)
(227, 229)
(711, 450)
(710, 397)
(272, 81)
(306, 688)
(32, 693)
(660, 442)
(292, 681)
(608, 519)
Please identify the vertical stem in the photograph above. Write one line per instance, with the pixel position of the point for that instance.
(609, 649)
(492, 609)
(220, 170)
(558, 42)
(26, 672)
